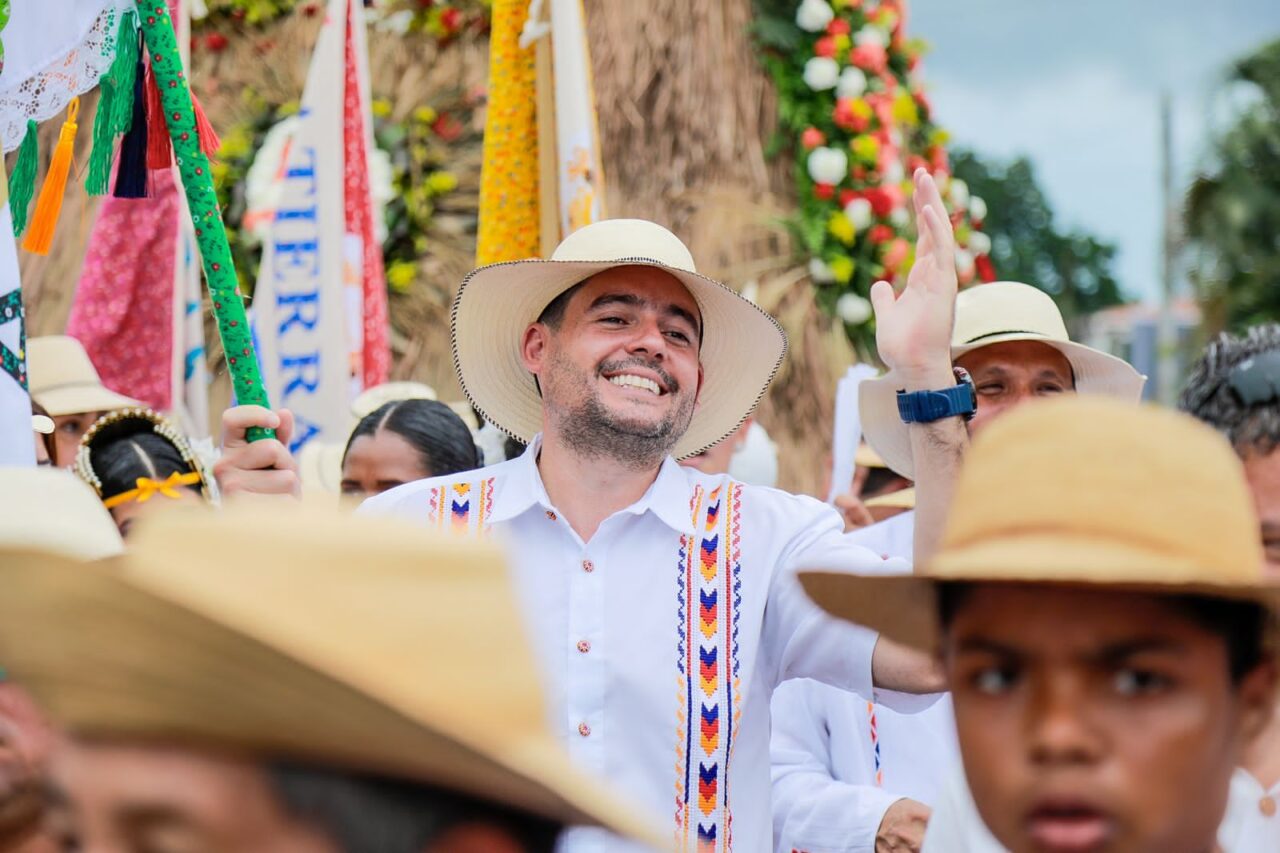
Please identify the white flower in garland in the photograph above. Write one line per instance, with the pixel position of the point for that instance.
(828, 165)
(898, 217)
(964, 263)
(821, 73)
(852, 83)
(871, 35)
(820, 272)
(859, 212)
(977, 208)
(853, 309)
(958, 194)
(979, 243)
(814, 15)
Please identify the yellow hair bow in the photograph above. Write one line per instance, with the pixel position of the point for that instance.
(149, 488)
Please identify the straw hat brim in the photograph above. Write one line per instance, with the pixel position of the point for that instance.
(901, 499)
(1096, 372)
(742, 345)
(78, 398)
(904, 608)
(213, 686)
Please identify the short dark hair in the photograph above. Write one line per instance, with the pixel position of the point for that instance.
(366, 813)
(443, 440)
(553, 315)
(1250, 426)
(1243, 625)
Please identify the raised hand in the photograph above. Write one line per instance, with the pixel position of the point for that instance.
(913, 328)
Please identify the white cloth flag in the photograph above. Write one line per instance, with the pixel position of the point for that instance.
(299, 303)
(17, 442)
(577, 140)
(847, 433)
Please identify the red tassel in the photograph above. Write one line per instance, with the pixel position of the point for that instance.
(159, 148)
(209, 141)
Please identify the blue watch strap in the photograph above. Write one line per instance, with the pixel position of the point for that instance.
(927, 406)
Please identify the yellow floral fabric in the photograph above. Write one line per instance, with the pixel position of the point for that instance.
(509, 218)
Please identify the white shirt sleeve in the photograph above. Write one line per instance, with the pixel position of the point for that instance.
(803, 640)
(812, 811)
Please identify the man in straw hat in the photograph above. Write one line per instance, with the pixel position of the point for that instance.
(662, 601)
(1100, 614)
(1010, 340)
(339, 686)
(64, 381)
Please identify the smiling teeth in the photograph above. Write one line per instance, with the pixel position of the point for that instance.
(627, 380)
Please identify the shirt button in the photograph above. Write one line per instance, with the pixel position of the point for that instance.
(588, 566)
(584, 729)
(1267, 805)
(551, 516)
(584, 646)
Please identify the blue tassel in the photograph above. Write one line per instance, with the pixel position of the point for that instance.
(132, 175)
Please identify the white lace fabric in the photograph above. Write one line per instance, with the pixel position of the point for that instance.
(54, 52)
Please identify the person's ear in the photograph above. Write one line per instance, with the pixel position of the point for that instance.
(533, 347)
(1257, 693)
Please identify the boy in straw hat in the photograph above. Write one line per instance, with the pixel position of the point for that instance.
(662, 601)
(1011, 341)
(1235, 388)
(64, 381)
(317, 693)
(1101, 623)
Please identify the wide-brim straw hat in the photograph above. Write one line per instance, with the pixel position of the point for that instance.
(64, 380)
(304, 635)
(1078, 491)
(989, 314)
(742, 346)
(50, 509)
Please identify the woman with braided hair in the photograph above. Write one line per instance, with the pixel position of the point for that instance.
(137, 460)
(406, 440)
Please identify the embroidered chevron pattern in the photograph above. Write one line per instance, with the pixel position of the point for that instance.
(453, 506)
(709, 599)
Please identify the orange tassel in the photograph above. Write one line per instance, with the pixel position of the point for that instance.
(209, 141)
(49, 205)
(159, 148)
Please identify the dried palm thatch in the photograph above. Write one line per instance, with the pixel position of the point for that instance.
(684, 112)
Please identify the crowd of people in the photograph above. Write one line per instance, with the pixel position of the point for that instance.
(569, 613)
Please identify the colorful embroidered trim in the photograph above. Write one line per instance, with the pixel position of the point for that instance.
(708, 710)
(875, 742)
(462, 507)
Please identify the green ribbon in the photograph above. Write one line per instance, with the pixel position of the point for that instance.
(202, 202)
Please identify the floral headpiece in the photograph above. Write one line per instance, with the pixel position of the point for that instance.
(129, 421)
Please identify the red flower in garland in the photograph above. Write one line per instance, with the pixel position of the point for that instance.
(825, 46)
(985, 269)
(216, 42)
(824, 192)
(451, 19)
(846, 117)
(870, 57)
(880, 234)
(447, 127)
(838, 27)
(812, 138)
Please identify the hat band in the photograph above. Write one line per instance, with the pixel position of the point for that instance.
(1004, 332)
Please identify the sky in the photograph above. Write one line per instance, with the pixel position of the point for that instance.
(1076, 87)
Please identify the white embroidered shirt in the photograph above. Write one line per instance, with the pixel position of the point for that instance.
(662, 638)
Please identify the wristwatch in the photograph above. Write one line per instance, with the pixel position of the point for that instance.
(922, 407)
